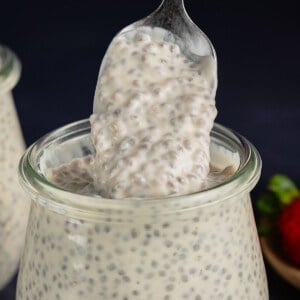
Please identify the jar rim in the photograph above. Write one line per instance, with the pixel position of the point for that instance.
(65, 202)
(10, 69)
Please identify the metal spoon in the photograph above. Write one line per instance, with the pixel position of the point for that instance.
(172, 17)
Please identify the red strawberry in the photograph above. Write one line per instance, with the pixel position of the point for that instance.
(289, 227)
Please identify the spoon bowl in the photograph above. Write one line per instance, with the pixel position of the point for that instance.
(171, 15)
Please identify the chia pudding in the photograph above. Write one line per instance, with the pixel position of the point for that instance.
(154, 109)
(198, 246)
(146, 203)
(13, 206)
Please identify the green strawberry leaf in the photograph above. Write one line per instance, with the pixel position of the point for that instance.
(284, 188)
(268, 204)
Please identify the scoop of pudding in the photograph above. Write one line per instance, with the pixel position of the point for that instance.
(154, 112)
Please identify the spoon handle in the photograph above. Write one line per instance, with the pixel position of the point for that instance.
(172, 5)
(169, 15)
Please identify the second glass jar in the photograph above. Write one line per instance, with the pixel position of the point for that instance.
(14, 207)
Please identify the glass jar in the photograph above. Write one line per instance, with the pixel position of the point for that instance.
(13, 207)
(197, 246)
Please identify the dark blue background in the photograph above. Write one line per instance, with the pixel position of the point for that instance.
(61, 44)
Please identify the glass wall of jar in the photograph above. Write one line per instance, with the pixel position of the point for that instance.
(13, 206)
(197, 246)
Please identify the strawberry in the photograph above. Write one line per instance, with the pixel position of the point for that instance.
(289, 228)
(280, 210)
